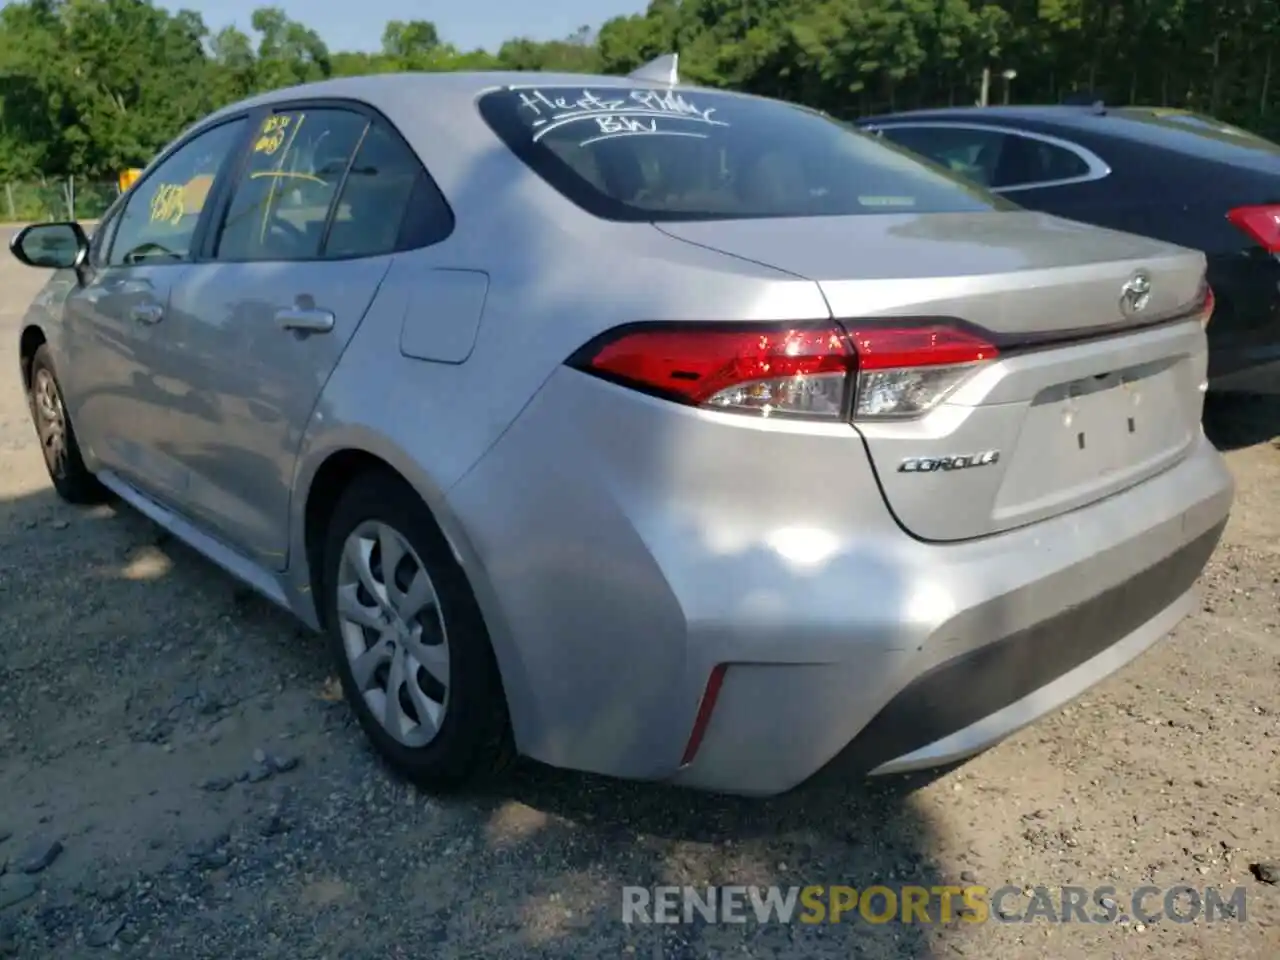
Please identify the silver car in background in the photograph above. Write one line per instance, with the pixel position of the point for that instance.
(638, 428)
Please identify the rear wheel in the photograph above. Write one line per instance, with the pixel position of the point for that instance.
(410, 644)
(71, 478)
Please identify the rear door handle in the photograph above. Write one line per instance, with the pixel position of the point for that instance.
(305, 320)
(147, 313)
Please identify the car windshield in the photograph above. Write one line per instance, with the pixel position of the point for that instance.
(653, 154)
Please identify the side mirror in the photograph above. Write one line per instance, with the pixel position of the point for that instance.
(56, 246)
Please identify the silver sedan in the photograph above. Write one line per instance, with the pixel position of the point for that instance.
(638, 428)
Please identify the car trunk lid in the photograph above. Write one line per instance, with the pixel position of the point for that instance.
(1089, 394)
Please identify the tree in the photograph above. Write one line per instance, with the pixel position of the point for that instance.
(409, 40)
(90, 86)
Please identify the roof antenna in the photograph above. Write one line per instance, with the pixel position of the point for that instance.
(662, 69)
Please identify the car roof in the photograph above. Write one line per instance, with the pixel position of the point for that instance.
(446, 88)
(436, 113)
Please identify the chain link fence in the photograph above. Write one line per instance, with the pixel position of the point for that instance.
(27, 201)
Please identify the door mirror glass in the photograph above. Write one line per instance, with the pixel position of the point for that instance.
(58, 246)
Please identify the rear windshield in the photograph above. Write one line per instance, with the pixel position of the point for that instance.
(645, 154)
(1201, 135)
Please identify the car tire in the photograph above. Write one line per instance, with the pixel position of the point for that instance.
(472, 739)
(71, 478)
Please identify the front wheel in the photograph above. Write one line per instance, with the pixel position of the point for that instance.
(71, 478)
(410, 643)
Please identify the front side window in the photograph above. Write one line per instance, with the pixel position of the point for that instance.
(159, 220)
(642, 154)
(295, 168)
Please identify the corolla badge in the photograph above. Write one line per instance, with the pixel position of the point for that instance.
(1135, 294)
(957, 462)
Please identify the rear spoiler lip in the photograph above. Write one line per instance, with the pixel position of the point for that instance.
(1028, 342)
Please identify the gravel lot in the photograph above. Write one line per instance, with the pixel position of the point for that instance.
(177, 773)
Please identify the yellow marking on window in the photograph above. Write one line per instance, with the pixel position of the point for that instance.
(167, 205)
(272, 134)
(287, 175)
(275, 181)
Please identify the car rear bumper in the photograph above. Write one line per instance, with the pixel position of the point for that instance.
(971, 701)
(623, 549)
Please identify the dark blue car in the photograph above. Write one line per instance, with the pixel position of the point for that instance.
(1169, 174)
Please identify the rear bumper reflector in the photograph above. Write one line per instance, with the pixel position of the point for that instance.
(705, 709)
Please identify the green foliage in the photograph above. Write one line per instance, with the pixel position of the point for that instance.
(90, 87)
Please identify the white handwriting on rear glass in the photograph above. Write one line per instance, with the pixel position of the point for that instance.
(637, 113)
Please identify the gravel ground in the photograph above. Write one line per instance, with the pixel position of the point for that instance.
(179, 780)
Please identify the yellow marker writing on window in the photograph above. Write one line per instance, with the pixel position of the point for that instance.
(271, 136)
(167, 205)
(173, 201)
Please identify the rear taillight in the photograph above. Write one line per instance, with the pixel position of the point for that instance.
(868, 371)
(906, 371)
(1262, 223)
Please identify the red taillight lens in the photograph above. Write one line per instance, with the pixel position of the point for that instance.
(1262, 223)
(796, 370)
(932, 345)
(873, 371)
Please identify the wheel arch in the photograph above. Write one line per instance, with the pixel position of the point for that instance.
(32, 339)
(321, 478)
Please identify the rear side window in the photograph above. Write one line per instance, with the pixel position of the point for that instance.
(333, 183)
(383, 183)
(651, 154)
(281, 204)
(992, 158)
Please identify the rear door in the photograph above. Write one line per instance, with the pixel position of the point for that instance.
(118, 332)
(310, 229)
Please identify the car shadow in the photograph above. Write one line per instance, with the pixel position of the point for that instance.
(548, 852)
(831, 831)
(1236, 420)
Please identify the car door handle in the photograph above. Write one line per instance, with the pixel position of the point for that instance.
(147, 313)
(305, 320)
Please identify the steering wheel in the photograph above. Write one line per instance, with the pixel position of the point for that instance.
(147, 250)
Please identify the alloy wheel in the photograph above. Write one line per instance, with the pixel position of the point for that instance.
(51, 419)
(393, 633)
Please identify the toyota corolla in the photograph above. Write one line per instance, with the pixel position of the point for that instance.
(638, 428)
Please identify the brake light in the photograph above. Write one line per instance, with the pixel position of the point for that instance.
(1262, 223)
(826, 371)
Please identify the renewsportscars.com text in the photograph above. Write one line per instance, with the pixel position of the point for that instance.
(934, 904)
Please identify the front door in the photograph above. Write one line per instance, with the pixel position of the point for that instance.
(119, 391)
(310, 230)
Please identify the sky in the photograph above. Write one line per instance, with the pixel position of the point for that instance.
(357, 24)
